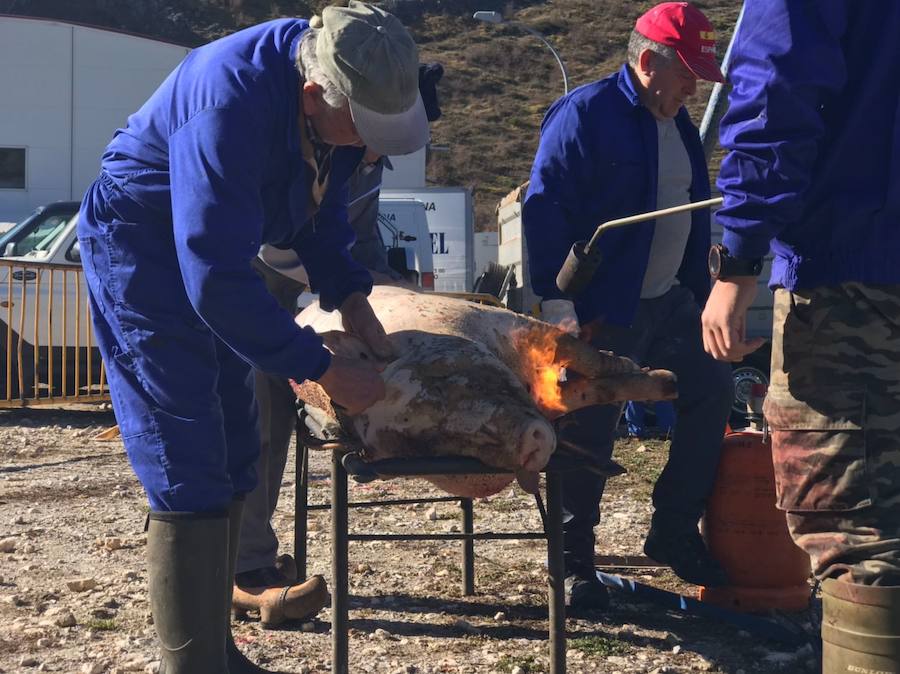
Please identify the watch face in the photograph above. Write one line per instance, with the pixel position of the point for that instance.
(715, 261)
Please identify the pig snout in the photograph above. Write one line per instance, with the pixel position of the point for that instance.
(536, 444)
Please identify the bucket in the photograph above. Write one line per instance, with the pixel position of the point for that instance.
(860, 628)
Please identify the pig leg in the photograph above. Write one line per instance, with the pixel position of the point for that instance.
(584, 392)
(589, 361)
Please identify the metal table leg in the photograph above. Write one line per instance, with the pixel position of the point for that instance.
(340, 663)
(468, 570)
(556, 568)
(301, 503)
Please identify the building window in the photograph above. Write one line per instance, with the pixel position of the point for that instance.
(12, 168)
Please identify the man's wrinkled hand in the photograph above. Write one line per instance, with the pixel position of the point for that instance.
(724, 320)
(353, 384)
(359, 319)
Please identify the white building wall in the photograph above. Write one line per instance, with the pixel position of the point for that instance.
(66, 89)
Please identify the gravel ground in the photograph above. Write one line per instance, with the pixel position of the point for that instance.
(73, 578)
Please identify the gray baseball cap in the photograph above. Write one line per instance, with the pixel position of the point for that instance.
(372, 59)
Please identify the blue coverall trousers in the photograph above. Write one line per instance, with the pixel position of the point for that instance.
(183, 399)
(665, 334)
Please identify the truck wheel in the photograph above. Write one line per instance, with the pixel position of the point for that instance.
(754, 369)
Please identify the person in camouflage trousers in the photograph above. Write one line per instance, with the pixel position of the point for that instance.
(834, 412)
(812, 174)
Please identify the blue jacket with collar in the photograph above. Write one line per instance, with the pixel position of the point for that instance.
(598, 160)
(215, 155)
(813, 130)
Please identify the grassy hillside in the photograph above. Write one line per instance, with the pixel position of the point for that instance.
(498, 81)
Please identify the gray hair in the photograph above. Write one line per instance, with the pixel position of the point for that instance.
(308, 65)
(637, 43)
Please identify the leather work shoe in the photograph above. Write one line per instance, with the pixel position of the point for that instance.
(276, 598)
(677, 542)
(585, 592)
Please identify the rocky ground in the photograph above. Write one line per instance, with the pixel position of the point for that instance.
(73, 579)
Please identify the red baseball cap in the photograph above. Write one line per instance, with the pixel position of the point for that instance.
(683, 27)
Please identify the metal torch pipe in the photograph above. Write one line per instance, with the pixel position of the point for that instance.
(652, 215)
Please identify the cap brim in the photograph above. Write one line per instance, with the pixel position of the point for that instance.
(402, 133)
(703, 69)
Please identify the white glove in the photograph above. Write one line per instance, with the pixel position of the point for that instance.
(561, 313)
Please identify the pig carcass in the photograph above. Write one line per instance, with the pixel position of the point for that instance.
(475, 380)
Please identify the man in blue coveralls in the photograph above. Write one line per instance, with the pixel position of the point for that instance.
(250, 140)
(813, 174)
(616, 147)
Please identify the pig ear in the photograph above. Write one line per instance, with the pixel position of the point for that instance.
(347, 346)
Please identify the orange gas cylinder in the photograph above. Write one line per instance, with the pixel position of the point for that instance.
(749, 535)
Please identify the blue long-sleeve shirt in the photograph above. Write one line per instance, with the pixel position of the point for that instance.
(598, 160)
(216, 154)
(813, 130)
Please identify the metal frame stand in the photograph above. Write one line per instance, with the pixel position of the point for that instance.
(350, 463)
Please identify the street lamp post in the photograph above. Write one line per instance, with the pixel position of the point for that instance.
(497, 17)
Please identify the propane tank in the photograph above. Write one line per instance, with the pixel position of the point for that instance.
(746, 532)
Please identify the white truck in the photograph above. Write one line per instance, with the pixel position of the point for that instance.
(47, 348)
(451, 223)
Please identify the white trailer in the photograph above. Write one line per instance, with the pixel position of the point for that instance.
(451, 223)
(513, 251)
(66, 89)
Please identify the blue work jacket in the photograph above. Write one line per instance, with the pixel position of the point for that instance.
(598, 160)
(813, 129)
(215, 154)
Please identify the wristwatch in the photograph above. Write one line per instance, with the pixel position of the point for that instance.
(723, 266)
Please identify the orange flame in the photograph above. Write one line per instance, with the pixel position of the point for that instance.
(540, 368)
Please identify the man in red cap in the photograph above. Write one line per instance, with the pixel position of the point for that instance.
(612, 148)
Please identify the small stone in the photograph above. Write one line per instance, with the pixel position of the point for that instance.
(65, 619)
(112, 543)
(382, 633)
(81, 584)
(464, 625)
(517, 670)
(92, 668)
(431, 513)
(8, 545)
(500, 615)
(308, 627)
(44, 642)
(676, 650)
(28, 661)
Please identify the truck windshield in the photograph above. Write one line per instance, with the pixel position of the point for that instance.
(36, 234)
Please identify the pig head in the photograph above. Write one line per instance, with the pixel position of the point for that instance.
(479, 381)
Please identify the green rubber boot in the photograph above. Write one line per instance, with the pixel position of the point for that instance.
(187, 558)
(860, 628)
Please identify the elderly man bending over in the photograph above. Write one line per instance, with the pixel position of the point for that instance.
(249, 141)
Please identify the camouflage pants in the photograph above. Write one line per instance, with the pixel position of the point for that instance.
(834, 410)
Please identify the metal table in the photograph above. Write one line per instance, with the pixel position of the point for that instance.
(346, 461)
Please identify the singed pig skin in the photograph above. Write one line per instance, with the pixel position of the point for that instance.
(461, 386)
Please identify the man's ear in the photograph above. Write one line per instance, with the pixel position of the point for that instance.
(312, 98)
(646, 62)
